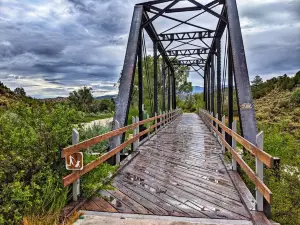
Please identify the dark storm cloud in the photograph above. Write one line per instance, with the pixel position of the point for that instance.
(65, 44)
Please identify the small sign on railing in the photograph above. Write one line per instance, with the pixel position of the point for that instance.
(74, 161)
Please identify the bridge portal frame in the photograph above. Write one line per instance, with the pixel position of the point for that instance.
(238, 77)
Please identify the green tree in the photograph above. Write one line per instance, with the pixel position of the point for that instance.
(82, 98)
(20, 91)
(257, 81)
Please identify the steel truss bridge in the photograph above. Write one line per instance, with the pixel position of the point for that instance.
(176, 164)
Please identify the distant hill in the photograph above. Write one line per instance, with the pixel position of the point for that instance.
(106, 97)
(197, 89)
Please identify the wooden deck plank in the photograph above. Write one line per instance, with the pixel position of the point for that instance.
(179, 172)
(169, 199)
(116, 203)
(203, 202)
(103, 205)
(171, 210)
(198, 184)
(135, 206)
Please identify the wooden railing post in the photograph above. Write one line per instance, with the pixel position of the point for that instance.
(259, 166)
(164, 119)
(234, 164)
(155, 114)
(137, 132)
(76, 183)
(148, 126)
(217, 126)
(134, 134)
(117, 142)
(223, 133)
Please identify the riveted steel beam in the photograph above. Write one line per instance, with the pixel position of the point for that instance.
(188, 52)
(187, 35)
(241, 75)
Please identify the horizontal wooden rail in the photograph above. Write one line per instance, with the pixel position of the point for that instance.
(255, 179)
(95, 140)
(264, 157)
(69, 179)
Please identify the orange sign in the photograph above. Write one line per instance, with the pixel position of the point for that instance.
(74, 161)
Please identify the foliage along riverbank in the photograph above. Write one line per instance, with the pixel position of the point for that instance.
(31, 169)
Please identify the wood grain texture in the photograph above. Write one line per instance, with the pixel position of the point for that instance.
(69, 179)
(264, 190)
(179, 172)
(266, 158)
(95, 140)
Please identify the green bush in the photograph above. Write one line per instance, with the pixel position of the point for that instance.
(98, 177)
(295, 97)
(30, 139)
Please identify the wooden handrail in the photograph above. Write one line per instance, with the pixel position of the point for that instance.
(266, 158)
(95, 140)
(253, 177)
(69, 179)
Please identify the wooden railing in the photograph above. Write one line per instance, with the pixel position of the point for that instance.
(262, 158)
(164, 119)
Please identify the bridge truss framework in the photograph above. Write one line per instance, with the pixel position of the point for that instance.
(206, 60)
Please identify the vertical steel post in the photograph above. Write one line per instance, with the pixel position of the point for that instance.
(244, 96)
(204, 91)
(163, 85)
(140, 81)
(173, 90)
(155, 102)
(127, 76)
(212, 72)
(208, 88)
(76, 183)
(219, 97)
(169, 89)
(230, 90)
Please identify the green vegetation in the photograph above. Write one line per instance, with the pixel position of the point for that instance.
(32, 132)
(182, 86)
(278, 114)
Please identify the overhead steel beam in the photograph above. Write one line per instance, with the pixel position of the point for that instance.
(154, 2)
(245, 100)
(183, 9)
(161, 12)
(180, 21)
(208, 10)
(188, 52)
(219, 32)
(154, 36)
(190, 61)
(187, 35)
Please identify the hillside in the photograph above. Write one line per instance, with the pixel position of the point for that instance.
(276, 108)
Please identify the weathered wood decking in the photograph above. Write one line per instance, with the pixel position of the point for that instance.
(179, 172)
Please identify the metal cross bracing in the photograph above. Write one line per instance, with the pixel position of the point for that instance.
(192, 43)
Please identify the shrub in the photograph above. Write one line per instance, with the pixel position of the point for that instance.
(30, 138)
(295, 97)
(98, 177)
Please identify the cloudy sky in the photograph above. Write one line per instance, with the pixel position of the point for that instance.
(53, 47)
